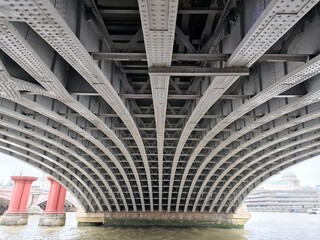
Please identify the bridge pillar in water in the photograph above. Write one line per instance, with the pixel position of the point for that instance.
(54, 214)
(17, 212)
(89, 219)
(165, 219)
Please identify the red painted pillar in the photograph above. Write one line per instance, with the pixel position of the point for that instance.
(62, 199)
(56, 198)
(54, 214)
(20, 194)
(17, 211)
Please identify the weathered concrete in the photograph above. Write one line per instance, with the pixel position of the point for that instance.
(14, 219)
(90, 219)
(52, 219)
(172, 219)
(165, 219)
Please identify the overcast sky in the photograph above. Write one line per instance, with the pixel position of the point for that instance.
(308, 171)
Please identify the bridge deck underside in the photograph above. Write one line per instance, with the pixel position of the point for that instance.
(158, 105)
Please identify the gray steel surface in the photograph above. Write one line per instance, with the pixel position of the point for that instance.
(160, 105)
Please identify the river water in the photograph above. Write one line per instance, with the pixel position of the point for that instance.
(261, 226)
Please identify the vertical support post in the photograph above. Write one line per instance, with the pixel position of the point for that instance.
(54, 214)
(17, 212)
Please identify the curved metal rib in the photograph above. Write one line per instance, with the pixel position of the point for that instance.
(38, 136)
(301, 74)
(61, 135)
(30, 104)
(261, 148)
(28, 59)
(305, 140)
(301, 157)
(62, 39)
(306, 100)
(263, 34)
(58, 164)
(52, 169)
(158, 32)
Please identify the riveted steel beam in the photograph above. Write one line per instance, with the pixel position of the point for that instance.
(189, 71)
(258, 40)
(52, 168)
(311, 142)
(276, 168)
(301, 74)
(182, 10)
(198, 57)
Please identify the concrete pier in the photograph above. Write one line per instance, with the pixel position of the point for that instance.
(54, 214)
(172, 219)
(164, 219)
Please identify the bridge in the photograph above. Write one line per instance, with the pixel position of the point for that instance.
(37, 197)
(152, 108)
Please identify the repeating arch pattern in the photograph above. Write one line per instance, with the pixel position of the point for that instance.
(178, 111)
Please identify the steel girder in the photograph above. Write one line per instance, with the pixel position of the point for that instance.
(257, 41)
(158, 20)
(145, 150)
(303, 73)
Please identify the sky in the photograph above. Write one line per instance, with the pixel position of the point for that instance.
(308, 171)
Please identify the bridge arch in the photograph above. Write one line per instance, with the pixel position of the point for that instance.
(137, 133)
(70, 203)
(52, 169)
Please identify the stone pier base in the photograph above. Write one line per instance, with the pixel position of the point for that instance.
(52, 219)
(90, 219)
(14, 219)
(173, 219)
(164, 219)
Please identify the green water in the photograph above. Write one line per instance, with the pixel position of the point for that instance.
(262, 226)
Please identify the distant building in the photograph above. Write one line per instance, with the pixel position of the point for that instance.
(43, 183)
(285, 195)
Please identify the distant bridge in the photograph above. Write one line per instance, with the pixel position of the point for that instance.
(41, 201)
(160, 105)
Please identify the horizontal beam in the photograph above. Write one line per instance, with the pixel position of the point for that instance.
(195, 57)
(185, 10)
(285, 58)
(182, 97)
(176, 96)
(189, 71)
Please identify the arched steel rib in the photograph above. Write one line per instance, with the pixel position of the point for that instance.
(13, 136)
(273, 23)
(305, 140)
(63, 40)
(30, 104)
(22, 158)
(30, 61)
(306, 100)
(265, 146)
(158, 38)
(61, 135)
(302, 157)
(301, 74)
(51, 168)
(60, 146)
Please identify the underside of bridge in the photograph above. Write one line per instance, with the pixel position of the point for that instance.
(160, 105)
